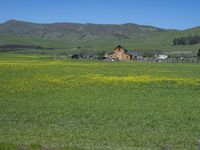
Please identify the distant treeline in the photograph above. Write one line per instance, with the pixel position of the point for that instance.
(190, 40)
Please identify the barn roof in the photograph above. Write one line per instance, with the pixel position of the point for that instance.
(110, 53)
(128, 53)
(125, 51)
(119, 46)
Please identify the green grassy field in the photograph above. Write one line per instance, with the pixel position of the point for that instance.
(68, 104)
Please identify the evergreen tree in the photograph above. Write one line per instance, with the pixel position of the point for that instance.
(198, 54)
(190, 40)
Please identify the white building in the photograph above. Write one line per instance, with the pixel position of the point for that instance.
(161, 56)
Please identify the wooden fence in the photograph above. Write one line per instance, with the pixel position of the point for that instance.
(171, 60)
(166, 148)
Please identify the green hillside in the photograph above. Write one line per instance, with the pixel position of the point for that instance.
(73, 37)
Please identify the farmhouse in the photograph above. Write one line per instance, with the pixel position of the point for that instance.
(119, 54)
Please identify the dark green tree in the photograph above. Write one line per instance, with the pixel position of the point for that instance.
(198, 54)
(101, 55)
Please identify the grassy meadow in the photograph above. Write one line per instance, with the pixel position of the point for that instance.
(78, 104)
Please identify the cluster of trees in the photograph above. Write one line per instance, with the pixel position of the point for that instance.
(85, 55)
(190, 40)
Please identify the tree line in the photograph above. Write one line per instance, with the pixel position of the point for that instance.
(190, 40)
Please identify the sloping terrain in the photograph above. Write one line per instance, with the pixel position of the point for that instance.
(82, 37)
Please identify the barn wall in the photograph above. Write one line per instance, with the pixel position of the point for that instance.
(126, 57)
(119, 54)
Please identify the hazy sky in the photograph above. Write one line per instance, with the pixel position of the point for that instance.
(179, 14)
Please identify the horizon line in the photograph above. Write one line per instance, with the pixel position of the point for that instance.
(57, 22)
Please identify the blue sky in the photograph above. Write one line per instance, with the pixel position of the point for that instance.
(177, 14)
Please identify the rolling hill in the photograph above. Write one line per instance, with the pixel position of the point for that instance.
(74, 37)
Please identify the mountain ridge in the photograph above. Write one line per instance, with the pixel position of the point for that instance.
(128, 23)
(77, 36)
(90, 23)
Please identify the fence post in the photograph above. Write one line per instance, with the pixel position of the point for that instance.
(199, 145)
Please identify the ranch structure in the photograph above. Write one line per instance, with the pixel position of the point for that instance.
(120, 54)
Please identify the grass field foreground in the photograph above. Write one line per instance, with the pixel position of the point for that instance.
(77, 104)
